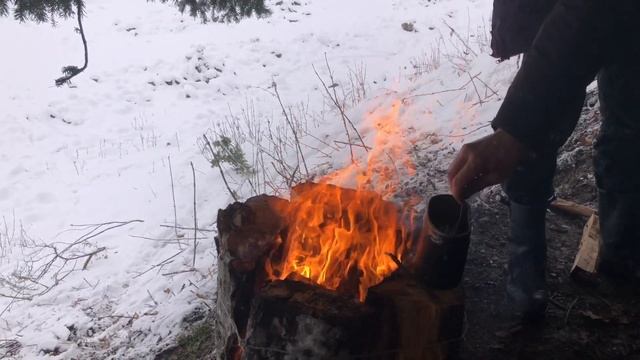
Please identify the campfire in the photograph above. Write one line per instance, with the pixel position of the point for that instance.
(350, 240)
(339, 239)
(338, 270)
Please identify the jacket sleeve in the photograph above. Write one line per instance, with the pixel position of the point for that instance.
(568, 51)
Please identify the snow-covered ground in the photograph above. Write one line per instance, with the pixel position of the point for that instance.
(77, 160)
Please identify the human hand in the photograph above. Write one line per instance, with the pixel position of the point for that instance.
(484, 162)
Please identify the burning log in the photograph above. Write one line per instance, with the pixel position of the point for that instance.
(399, 320)
(338, 273)
(246, 233)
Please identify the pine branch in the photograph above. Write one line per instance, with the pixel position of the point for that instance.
(71, 71)
(222, 10)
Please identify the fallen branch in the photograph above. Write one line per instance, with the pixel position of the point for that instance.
(47, 265)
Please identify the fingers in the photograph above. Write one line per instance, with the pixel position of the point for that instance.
(469, 174)
(461, 180)
(458, 163)
(481, 182)
(458, 174)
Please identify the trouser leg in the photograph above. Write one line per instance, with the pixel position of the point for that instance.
(617, 165)
(529, 189)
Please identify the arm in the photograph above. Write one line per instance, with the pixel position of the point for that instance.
(570, 48)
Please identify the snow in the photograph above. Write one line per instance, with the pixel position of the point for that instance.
(99, 151)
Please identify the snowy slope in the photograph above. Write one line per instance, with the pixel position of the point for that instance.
(99, 151)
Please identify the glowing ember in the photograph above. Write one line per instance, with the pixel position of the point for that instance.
(350, 240)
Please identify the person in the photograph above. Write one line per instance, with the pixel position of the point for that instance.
(577, 40)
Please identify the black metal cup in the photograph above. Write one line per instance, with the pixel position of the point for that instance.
(442, 243)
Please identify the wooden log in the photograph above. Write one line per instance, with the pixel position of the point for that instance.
(247, 232)
(294, 320)
(399, 320)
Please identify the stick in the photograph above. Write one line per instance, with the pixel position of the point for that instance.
(151, 296)
(476, 89)
(489, 87)
(350, 144)
(173, 196)
(188, 228)
(566, 315)
(462, 87)
(90, 256)
(178, 272)
(195, 217)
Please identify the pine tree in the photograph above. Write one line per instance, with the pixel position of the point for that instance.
(50, 10)
(222, 10)
(41, 10)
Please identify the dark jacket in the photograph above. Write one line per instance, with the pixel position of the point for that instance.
(576, 40)
(515, 23)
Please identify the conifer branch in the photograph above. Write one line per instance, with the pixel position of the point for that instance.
(71, 71)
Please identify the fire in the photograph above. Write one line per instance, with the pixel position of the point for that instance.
(350, 240)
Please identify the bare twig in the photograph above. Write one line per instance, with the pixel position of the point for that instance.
(488, 87)
(179, 272)
(161, 263)
(90, 256)
(468, 132)
(566, 315)
(476, 89)
(465, 43)
(293, 130)
(462, 87)
(219, 165)
(195, 217)
(337, 103)
(47, 265)
(350, 144)
(173, 197)
(152, 299)
(188, 228)
(334, 99)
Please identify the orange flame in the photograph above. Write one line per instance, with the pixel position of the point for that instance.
(350, 240)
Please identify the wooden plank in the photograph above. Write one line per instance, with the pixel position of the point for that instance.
(586, 260)
(572, 208)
